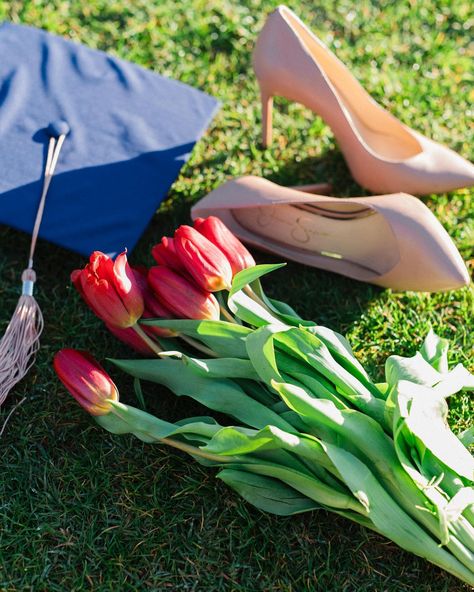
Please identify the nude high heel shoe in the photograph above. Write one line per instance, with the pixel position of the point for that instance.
(383, 154)
(392, 241)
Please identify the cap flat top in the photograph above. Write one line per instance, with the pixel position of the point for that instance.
(130, 132)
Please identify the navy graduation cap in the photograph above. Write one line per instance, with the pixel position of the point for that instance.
(130, 132)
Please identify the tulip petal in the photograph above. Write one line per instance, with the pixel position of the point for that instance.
(127, 287)
(153, 307)
(217, 232)
(110, 289)
(106, 303)
(86, 380)
(184, 299)
(205, 262)
(164, 253)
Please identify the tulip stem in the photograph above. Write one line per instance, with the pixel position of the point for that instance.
(151, 344)
(226, 314)
(199, 346)
(223, 308)
(121, 410)
(248, 290)
(196, 451)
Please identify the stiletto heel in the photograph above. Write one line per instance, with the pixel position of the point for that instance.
(383, 154)
(267, 116)
(389, 240)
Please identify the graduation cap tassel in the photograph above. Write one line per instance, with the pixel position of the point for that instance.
(20, 342)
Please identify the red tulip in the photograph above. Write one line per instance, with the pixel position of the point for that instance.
(130, 337)
(205, 262)
(179, 295)
(110, 289)
(86, 380)
(217, 232)
(164, 253)
(154, 309)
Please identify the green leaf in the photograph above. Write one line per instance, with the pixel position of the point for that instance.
(335, 342)
(284, 312)
(139, 393)
(248, 310)
(415, 369)
(435, 351)
(257, 446)
(222, 367)
(389, 517)
(226, 339)
(424, 413)
(245, 307)
(429, 367)
(322, 389)
(258, 391)
(360, 433)
(462, 500)
(438, 481)
(168, 344)
(125, 419)
(313, 351)
(260, 348)
(200, 419)
(261, 352)
(232, 441)
(421, 373)
(229, 439)
(201, 438)
(342, 352)
(454, 381)
(308, 485)
(308, 377)
(384, 389)
(237, 441)
(295, 420)
(267, 494)
(218, 394)
(363, 437)
(282, 308)
(247, 276)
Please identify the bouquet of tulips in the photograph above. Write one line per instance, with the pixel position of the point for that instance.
(308, 426)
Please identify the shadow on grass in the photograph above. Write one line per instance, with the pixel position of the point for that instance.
(328, 167)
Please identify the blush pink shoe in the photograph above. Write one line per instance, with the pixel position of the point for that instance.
(383, 154)
(392, 241)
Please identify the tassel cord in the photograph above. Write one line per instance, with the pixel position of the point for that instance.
(20, 341)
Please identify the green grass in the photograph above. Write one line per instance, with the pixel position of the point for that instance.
(84, 510)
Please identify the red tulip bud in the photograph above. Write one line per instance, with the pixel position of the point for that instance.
(164, 253)
(86, 380)
(205, 262)
(217, 232)
(179, 295)
(110, 289)
(154, 309)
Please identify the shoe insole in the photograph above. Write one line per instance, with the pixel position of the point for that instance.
(386, 138)
(382, 132)
(341, 232)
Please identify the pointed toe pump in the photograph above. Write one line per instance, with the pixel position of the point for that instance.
(392, 241)
(383, 154)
